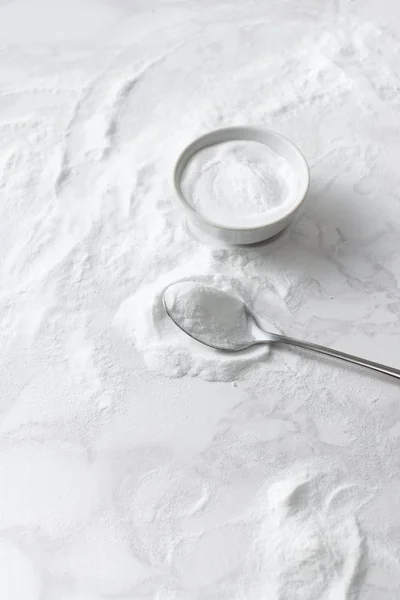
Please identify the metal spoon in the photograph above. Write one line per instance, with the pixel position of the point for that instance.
(256, 335)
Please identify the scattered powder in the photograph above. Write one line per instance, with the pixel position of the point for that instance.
(209, 314)
(277, 539)
(180, 489)
(301, 539)
(237, 183)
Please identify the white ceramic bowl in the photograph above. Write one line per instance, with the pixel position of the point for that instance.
(269, 225)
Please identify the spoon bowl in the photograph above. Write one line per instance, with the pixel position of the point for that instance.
(222, 321)
(255, 335)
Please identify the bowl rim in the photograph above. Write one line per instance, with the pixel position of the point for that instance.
(237, 133)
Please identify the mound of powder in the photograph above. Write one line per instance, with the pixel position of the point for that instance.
(168, 350)
(210, 315)
(236, 183)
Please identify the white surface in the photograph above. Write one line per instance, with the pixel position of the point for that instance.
(117, 481)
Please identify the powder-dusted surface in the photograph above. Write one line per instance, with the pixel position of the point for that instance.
(209, 315)
(238, 183)
(133, 465)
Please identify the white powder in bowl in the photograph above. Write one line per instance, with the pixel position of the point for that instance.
(237, 183)
(208, 314)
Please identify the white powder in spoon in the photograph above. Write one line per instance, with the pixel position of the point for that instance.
(238, 183)
(208, 314)
(165, 348)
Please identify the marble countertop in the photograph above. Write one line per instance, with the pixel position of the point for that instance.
(117, 481)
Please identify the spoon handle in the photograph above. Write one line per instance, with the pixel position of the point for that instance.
(337, 354)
